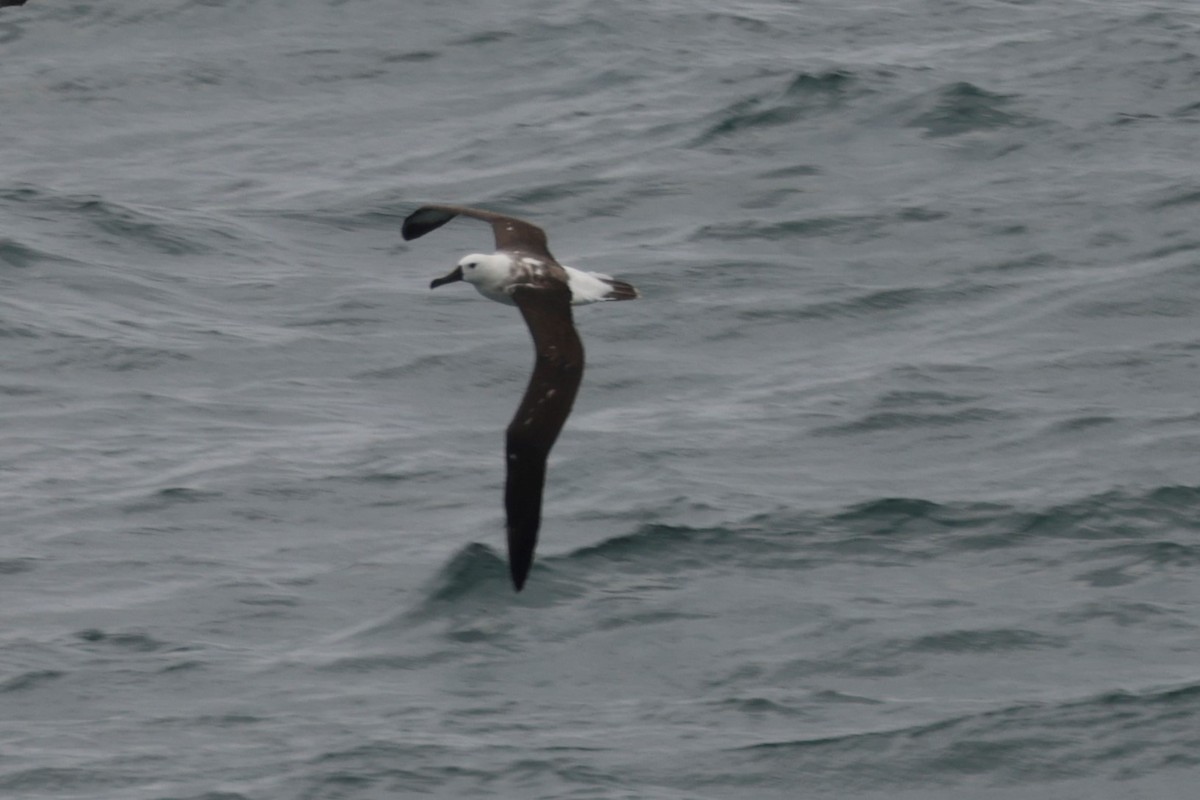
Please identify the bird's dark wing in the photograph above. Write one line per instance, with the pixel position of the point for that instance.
(511, 233)
(557, 372)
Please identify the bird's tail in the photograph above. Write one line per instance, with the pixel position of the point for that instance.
(619, 290)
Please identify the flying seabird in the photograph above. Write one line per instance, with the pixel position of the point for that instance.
(523, 273)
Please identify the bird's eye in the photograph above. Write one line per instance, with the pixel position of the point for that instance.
(471, 265)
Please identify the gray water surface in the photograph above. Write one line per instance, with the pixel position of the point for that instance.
(888, 485)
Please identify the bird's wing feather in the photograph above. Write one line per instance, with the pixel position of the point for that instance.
(557, 371)
(511, 233)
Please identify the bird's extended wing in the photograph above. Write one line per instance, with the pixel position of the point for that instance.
(511, 233)
(557, 371)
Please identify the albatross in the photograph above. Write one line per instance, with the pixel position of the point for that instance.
(523, 273)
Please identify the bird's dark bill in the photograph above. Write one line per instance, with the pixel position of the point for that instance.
(457, 275)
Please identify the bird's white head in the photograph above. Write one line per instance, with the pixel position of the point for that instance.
(484, 271)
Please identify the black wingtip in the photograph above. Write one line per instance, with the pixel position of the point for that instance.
(409, 232)
(519, 564)
(424, 220)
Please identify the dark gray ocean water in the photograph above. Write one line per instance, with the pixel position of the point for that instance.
(888, 487)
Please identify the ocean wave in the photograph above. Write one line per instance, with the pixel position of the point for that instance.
(1134, 532)
(805, 94)
(1017, 745)
(960, 108)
